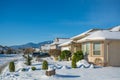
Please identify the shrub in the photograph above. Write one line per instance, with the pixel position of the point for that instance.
(55, 52)
(65, 55)
(74, 62)
(28, 50)
(45, 65)
(62, 56)
(11, 67)
(33, 68)
(56, 58)
(79, 55)
(23, 69)
(28, 60)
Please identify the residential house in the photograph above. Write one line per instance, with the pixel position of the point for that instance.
(57, 42)
(66, 46)
(101, 47)
(72, 44)
(36, 49)
(45, 48)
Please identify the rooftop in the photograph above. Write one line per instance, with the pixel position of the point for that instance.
(102, 35)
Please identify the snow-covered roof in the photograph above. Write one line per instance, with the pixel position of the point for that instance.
(66, 43)
(102, 35)
(60, 41)
(84, 33)
(45, 47)
(117, 28)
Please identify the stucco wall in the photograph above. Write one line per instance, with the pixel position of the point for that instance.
(114, 53)
(92, 58)
(65, 48)
(53, 47)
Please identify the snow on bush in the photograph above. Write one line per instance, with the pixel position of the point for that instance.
(30, 70)
(65, 67)
(84, 64)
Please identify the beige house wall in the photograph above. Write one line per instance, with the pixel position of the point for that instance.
(110, 53)
(76, 47)
(114, 53)
(70, 47)
(67, 47)
(53, 47)
(92, 58)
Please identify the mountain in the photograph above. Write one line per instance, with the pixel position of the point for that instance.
(31, 45)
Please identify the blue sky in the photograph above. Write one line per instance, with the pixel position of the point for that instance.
(23, 21)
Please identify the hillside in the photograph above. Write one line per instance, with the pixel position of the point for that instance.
(31, 45)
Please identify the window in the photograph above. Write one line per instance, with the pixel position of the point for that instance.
(96, 48)
(83, 48)
(86, 48)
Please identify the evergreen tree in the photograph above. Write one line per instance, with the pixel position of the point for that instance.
(45, 65)
(65, 55)
(74, 62)
(28, 60)
(11, 67)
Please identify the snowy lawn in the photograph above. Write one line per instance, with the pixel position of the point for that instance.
(63, 72)
(4, 58)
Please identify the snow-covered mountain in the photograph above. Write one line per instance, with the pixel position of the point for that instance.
(31, 45)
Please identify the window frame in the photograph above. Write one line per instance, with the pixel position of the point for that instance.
(84, 48)
(100, 49)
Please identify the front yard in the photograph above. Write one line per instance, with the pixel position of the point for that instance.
(63, 72)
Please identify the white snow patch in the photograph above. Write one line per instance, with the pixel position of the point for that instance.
(82, 62)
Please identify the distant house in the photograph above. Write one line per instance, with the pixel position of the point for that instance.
(36, 49)
(57, 42)
(101, 47)
(45, 48)
(66, 46)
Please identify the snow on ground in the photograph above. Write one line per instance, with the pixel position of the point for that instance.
(63, 72)
(4, 58)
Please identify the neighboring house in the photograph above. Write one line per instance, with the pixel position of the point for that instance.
(57, 42)
(45, 48)
(101, 47)
(66, 46)
(36, 49)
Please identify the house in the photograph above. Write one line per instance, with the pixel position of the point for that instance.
(101, 47)
(36, 49)
(66, 46)
(45, 48)
(57, 42)
(72, 44)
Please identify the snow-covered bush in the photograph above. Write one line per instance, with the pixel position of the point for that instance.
(11, 67)
(84, 64)
(45, 65)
